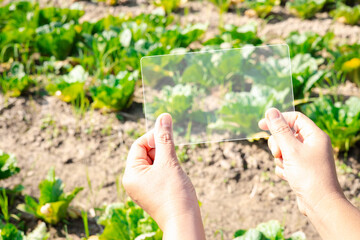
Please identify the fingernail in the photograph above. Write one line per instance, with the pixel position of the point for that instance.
(273, 114)
(165, 120)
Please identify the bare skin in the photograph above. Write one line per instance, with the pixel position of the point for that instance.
(303, 156)
(155, 180)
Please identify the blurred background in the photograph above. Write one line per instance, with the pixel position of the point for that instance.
(71, 106)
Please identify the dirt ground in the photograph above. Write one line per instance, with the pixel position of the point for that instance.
(235, 181)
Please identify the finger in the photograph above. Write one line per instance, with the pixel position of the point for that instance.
(164, 142)
(296, 120)
(263, 125)
(281, 131)
(280, 173)
(274, 148)
(279, 162)
(138, 153)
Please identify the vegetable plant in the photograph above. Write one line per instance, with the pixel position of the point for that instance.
(241, 111)
(271, 230)
(346, 14)
(340, 120)
(262, 7)
(167, 5)
(15, 82)
(236, 36)
(308, 42)
(128, 221)
(70, 87)
(175, 100)
(347, 61)
(114, 92)
(56, 39)
(305, 8)
(10, 232)
(305, 74)
(53, 202)
(8, 165)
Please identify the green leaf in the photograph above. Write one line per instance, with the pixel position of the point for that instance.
(51, 189)
(39, 233)
(8, 165)
(271, 230)
(251, 234)
(10, 232)
(125, 38)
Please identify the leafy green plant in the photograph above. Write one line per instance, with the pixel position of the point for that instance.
(262, 7)
(175, 100)
(70, 87)
(346, 14)
(53, 203)
(168, 5)
(271, 230)
(347, 61)
(10, 232)
(4, 205)
(222, 5)
(56, 39)
(305, 74)
(114, 92)
(308, 42)
(241, 111)
(236, 36)
(340, 120)
(8, 165)
(128, 221)
(15, 82)
(305, 8)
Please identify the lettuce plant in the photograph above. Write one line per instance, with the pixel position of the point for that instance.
(305, 74)
(56, 39)
(128, 221)
(10, 232)
(236, 36)
(177, 101)
(8, 165)
(308, 42)
(15, 82)
(340, 120)
(114, 92)
(167, 5)
(241, 111)
(262, 7)
(271, 230)
(346, 14)
(347, 61)
(70, 87)
(53, 203)
(305, 8)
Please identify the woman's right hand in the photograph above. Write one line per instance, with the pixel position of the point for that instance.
(303, 156)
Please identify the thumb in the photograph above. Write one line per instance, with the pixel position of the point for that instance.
(164, 142)
(281, 131)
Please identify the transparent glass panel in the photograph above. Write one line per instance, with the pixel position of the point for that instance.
(217, 95)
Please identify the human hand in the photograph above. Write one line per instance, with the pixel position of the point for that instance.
(154, 179)
(303, 156)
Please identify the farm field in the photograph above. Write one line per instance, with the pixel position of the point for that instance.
(61, 107)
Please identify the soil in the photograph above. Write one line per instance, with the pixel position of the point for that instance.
(235, 181)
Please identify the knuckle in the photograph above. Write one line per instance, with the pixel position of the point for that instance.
(281, 129)
(164, 137)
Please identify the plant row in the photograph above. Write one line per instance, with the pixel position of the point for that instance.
(97, 64)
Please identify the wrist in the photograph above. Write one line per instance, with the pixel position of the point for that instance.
(187, 225)
(319, 212)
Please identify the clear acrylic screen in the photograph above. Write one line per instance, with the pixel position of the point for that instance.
(217, 95)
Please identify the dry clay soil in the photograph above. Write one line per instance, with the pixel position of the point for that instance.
(235, 181)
